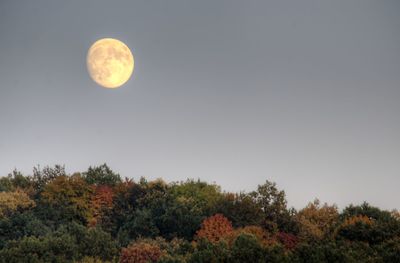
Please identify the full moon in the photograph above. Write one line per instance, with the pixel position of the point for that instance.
(110, 62)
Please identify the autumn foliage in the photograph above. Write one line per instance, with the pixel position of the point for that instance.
(11, 202)
(101, 201)
(358, 219)
(70, 193)
(317, 221)
(141, 252)
(95, 216)
(215, 228)
(288, 240)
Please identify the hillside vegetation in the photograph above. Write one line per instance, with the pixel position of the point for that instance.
(96, 216)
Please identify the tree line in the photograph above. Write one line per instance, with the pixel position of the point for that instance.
(96, 216)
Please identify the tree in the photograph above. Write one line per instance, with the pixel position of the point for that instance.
(215, 228)
(11, 202)
(101, 175)
(246, 248)
(389, 250)
(317, 222)
(241, 209)
(141, 251)
(123, 205)
(70, 243)
(20, 225)
(15, 180)
(274, 207)
(177, 218)
(357, 228)
(139, 224)
(206, 251)
(203, 195)
(41, 177)
(288, 240)
(54, 217)
(39, 249)
(92, 242)
(368, 224)
(366, 210)
(265, 238)
(101, 202)
(67, 198)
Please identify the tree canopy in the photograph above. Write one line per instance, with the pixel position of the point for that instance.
(96, 216)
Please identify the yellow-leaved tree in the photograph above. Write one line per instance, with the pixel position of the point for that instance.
(11, 202)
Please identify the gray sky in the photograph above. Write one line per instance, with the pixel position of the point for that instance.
(303, 93)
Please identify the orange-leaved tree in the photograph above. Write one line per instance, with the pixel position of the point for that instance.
(215, 228)
(142, 251)
(102, 200)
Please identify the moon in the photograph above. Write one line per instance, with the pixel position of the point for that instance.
(110, 62)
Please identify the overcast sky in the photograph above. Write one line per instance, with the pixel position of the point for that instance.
(302, 93)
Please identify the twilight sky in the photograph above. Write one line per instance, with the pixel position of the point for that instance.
(303, 93)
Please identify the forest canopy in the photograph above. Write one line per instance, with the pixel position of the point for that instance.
(98, 216)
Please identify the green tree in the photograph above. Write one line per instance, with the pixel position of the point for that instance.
(92, 242)
(389, 250)
(367, 223)
(70, 243)
(101, 175)
(203, 195)
(40, 249)
(241, 209)
(21, 225)
(181, 218)
(246, 248)
(15, 180)
(274, 208)
(42, 177)
(139, 224)
(207, 252)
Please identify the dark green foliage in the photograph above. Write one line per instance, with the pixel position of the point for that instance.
(209, 252)
(317, 252)
(21, 225)
(139, 224)
(14, 180)
(390, 250)
(246, 248)
(93, 216)
(335, 252)
(366, 210)
(92, 242)
(69, 243)
(240, 209)
(383, 225)
(181, 219)
(101, 175)
(6, 184)
(274, 208)
(277, 254)
(43, 249)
